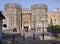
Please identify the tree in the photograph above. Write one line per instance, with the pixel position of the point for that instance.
(56, 28)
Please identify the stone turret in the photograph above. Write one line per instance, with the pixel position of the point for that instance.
(13, 15)
(39, 12)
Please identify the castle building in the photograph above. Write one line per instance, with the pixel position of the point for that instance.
(26, 18)
(54, 17)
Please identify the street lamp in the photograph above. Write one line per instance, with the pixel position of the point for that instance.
(34, 29)
(43, 28)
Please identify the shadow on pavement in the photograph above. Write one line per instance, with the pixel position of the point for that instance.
(28, 40)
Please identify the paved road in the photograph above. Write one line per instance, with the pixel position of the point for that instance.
(33, 42)
(18, 36)
(7, 39)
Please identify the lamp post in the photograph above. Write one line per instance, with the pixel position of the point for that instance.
(34, 33)
(52, 28)
(19, 25)
(43, 28)
(34, 29)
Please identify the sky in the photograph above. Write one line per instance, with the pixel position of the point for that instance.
(52, 4)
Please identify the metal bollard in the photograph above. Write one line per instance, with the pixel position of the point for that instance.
(13, 38)
(43, 36)
(23, 36)
(33, 36)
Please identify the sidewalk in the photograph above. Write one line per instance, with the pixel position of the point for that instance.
(57, 39)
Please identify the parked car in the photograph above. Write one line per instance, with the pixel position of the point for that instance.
(58, 35)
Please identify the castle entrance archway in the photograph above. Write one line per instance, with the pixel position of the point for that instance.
(26, 28)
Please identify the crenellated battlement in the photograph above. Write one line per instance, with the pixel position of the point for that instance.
(12, 5)
(39, 6)
(26, 10)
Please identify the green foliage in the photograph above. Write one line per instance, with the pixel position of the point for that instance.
(56, 27)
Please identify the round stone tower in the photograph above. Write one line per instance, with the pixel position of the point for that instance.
(12, 12)
(39, 12)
